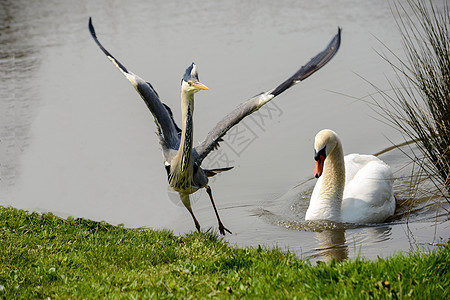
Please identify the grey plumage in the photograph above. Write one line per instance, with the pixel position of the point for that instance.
(182, 161)
(255, 103)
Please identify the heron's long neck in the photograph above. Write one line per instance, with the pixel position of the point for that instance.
(187, 131)
(333, 183)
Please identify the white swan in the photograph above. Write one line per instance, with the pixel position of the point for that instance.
(353, 189)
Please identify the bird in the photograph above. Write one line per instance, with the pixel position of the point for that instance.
(352, 189)
(182, 160)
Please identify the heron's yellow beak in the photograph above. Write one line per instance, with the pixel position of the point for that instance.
(200, 86)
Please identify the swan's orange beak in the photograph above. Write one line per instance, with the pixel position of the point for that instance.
(319, 166)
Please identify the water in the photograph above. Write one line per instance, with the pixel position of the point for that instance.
(76, 140)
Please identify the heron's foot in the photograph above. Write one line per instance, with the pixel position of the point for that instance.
(222, 229)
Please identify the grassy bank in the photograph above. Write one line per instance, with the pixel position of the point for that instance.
(44, 256)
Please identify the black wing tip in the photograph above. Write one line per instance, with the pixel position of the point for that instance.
(94, 36)
(333, 46)
(213, 172)
(91, 28)
(335, 43)
(338, 36)
(315, 64)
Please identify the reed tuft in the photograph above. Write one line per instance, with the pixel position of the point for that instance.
(418, 104)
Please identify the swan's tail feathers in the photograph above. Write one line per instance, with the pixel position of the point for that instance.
(213, 172)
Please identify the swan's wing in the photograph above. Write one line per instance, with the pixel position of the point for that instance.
(355, 162)
(168, 131)
(373, 184)
(368, 195)
(215, 135)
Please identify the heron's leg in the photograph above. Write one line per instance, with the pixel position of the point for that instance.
(222, 228)
(187, 203)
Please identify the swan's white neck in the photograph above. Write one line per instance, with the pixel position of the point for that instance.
(327, 204)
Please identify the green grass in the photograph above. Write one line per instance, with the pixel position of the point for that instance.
(45, 256)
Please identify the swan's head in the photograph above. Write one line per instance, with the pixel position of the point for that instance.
(190, 82)
(325, 142)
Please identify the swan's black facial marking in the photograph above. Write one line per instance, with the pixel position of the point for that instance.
(320, 157)
(322, 152)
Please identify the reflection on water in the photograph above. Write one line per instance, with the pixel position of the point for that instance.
(332, 244)
(334, 239)
(76, 139)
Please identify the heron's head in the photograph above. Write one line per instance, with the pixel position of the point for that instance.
(190, 82)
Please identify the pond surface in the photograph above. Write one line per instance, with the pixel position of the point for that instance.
(76, 139)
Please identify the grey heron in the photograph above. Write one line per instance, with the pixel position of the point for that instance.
(182, 161)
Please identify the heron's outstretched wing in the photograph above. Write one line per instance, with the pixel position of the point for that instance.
(214, 136)
(168, 131)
